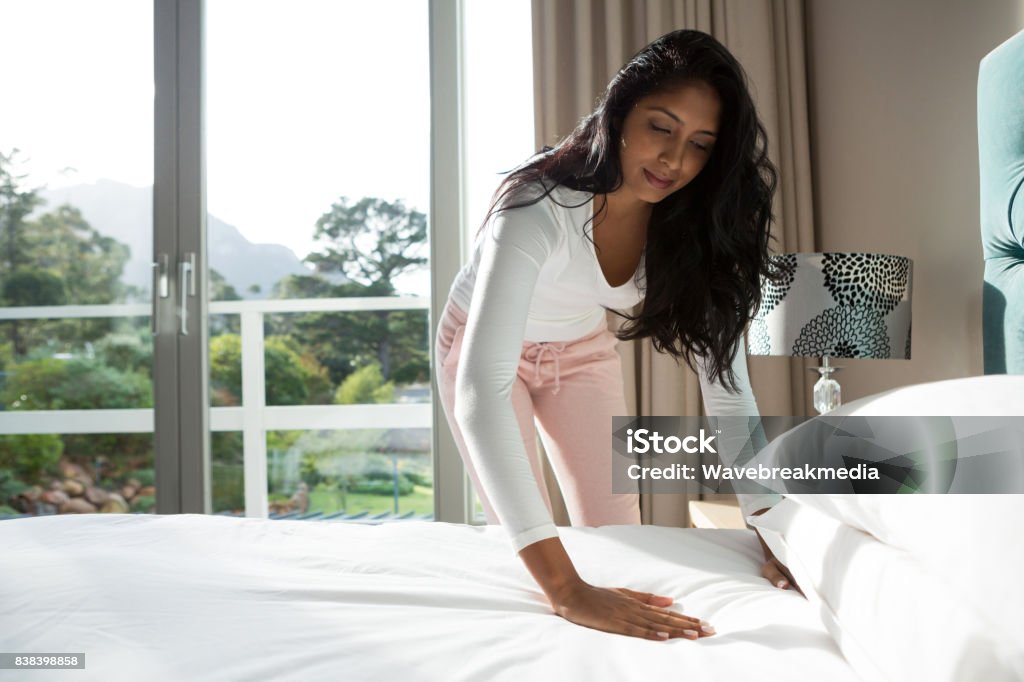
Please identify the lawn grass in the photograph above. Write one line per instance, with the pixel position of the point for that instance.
(420, 502)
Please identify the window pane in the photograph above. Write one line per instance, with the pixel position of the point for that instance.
(76, 176)
(225, 348)
(356, 473)
(347, 358)
(227, 476)
(311, 109)
(318, 129)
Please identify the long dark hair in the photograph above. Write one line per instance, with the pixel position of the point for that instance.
(707, 243)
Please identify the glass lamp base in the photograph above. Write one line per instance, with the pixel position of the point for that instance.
(828, 395)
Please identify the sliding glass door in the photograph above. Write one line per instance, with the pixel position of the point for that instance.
(318, 159)
(76, 180)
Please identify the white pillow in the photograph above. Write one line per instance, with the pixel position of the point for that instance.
(987, 396)
(971, 541)
(893, 619)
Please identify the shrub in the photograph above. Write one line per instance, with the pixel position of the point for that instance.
(419, 478)
(293, 377)
(127, 352)
(365, 385)
(144, 476)
(382, 487)
(413, 371)
(75, 384)
(10, 486)
(30, 456)
(143, 503)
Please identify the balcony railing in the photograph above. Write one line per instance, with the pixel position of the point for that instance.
(254, 417)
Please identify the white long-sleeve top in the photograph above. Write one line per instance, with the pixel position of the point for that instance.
(533, 275)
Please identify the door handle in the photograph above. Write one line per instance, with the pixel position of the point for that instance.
(187, 284)
(161, 287)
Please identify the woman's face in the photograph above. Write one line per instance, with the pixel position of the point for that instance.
(667, 138)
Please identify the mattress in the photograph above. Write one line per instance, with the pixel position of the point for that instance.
(195, 597)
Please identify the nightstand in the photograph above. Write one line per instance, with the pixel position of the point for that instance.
(716, 514)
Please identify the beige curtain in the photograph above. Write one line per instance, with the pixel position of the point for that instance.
(578, 45)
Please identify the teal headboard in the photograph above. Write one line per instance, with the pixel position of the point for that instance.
(1001, 157)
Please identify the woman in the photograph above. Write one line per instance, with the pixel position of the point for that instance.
(671, 172)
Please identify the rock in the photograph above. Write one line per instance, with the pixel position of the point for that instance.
(27, 501)
(128, 492)
(70, 470)
(77, 505)
(77, 472)
(115, 504)
(135, 483)
(32, 493)
(300, 500)
(74, 488)
(147, 490)
(279, 507)
(54, 497)
(96, 495)
(56, 484)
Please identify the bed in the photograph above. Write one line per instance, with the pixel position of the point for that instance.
(193, 597)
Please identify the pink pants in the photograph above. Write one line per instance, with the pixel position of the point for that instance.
(571, 390)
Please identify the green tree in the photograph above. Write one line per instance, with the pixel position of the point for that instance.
(74, 384)
(28, 286)
(129, 349)
(289, 352)
(220, 290)
(15, 206)
(292, 376)
(57, 258)
(30, 456)
(226, 370)
(365, 385)
(63, 242)
(90, 264)
(371, 242)
(343, 341)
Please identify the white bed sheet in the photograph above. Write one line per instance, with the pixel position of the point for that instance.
(194, 597)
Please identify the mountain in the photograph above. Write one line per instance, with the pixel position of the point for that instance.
(125, 213)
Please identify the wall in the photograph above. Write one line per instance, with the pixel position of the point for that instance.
(895, 162)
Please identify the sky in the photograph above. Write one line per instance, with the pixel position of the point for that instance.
(306, 102)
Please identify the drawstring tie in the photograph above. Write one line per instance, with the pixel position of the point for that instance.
(538, 350)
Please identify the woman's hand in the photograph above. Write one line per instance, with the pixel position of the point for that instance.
(626, 612)
(617, 609)
(776, 573)
(773, 570)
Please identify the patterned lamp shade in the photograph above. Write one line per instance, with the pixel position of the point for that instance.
(840, 305)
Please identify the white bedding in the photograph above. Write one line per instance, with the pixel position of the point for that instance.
(193, 597)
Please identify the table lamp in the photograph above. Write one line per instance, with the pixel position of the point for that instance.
(834, 305)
